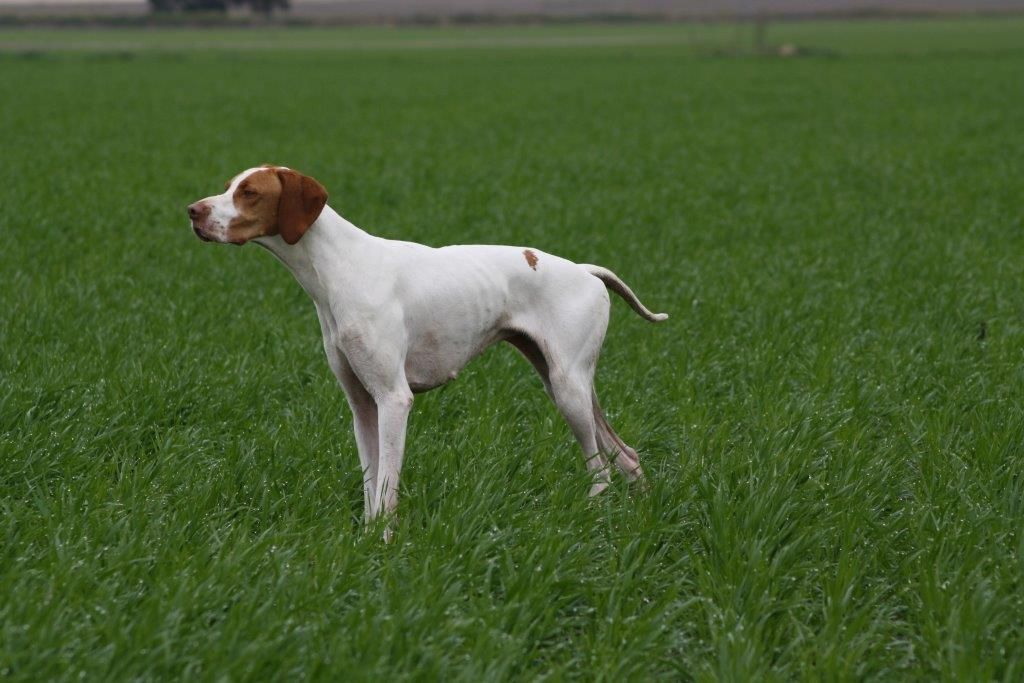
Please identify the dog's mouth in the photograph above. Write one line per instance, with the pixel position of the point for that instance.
(200, 234)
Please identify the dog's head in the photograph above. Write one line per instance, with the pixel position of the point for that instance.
(269, 200)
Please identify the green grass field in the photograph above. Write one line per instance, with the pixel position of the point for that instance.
(832, 419)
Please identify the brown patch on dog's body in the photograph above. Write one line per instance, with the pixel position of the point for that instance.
(531, 258)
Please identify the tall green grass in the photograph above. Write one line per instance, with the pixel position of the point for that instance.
(831, 420)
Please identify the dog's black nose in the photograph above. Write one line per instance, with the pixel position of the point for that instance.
(197, 210)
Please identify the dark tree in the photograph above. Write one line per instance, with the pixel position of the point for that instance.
(264, 7)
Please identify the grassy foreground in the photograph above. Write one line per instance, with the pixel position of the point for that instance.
(832, 419)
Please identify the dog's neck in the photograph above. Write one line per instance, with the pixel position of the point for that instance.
(328, 243)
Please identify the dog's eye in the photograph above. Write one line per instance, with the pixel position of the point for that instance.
(249, 193)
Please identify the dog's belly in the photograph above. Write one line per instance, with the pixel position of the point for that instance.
(453, 309)
(434, 359)
(463, 299)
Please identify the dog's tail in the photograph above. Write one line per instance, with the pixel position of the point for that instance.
(612, 282)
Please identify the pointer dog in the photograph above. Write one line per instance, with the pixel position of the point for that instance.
(400, 318)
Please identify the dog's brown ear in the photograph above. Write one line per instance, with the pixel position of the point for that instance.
(302, 200)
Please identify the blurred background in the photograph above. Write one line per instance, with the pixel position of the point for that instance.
(477, 11)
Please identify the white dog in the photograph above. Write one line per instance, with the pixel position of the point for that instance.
(400, 318)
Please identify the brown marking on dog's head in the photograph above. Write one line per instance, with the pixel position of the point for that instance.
(531, 258)
(270, 200)
(301, 201)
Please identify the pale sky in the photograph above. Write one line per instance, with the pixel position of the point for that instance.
(74, 2)
(106, 2)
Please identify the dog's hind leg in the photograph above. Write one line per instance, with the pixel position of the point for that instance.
(569, 393)
(612, 445)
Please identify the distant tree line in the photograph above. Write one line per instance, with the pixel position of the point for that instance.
(266, 7)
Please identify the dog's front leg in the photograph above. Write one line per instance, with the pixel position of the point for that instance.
(392, 415)
(364, 418)
(364, 424)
